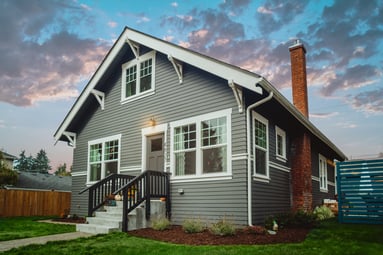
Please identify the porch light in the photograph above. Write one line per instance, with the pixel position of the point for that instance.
(152, 122)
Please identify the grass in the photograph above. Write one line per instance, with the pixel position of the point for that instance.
(25, 227)
(329, 238)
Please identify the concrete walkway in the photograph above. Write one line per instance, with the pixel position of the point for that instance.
(8, 245)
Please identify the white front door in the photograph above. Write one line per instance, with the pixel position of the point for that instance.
(155, 152)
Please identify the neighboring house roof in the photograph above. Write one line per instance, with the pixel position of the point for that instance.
(39, 181)
(232, 74)
(8, 156)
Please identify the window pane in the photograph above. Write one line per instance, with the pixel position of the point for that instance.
(214, 160)
(111, 150)
(214, 131)
(260, 134)
(110, 168)
(95, 172)
(131, 80)
(146, 75)
(95, 152)
(185, 137)
(260, 161)
(185, 163)
(156, 145)
(280, 145)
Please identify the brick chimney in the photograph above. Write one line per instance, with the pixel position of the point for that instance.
(301, 141)
(298, 77)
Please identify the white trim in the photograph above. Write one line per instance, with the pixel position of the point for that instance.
(324, 160)
(239, 156)
(314, 178)
(100, 96)
(237, 90)
(177, 67)
(72, 137)
(103, 140)
(137, 62)
(149, 131)
(263, 120)
(279, 167)
(197, 120)
(261, 179)
(75, 174)
(280, 132)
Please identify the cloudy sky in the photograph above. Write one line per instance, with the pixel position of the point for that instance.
(49, 50)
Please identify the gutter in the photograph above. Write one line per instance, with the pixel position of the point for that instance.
(249, 174)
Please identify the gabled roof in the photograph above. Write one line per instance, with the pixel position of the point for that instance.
(232, 74)
(8, 156)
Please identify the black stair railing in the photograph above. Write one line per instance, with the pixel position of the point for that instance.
(99, 191)
(150, 184)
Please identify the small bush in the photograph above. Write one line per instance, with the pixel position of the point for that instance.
(222, 228)
(303, 219)
(160, 223)
(193, 226)
(323, 213)
(298, 219)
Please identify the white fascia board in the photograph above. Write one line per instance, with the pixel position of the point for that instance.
(241, 77)
(89, 87)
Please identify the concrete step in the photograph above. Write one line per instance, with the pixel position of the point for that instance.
(113, 223)
(95, 229)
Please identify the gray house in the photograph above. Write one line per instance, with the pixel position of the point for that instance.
(229, 142)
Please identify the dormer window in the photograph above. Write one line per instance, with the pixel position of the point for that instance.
(138, 77)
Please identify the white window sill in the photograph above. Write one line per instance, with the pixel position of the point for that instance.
(261, 178)
(136, 97)
(201, 178)
(280, 158)
(324, 190)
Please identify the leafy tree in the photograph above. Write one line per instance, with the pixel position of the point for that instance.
(7, 175)
(61, 170)
(41, 162)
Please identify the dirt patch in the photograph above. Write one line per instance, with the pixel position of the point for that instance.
(176, 235)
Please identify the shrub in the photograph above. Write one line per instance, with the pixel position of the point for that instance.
(160, 224)
(323, 213)
(222, 228)
(298, 219)
(193, 226)
(303, 219)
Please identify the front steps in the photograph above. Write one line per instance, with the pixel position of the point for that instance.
(110, 218)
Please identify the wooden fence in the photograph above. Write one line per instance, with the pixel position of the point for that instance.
(360, 191)
(33, 203)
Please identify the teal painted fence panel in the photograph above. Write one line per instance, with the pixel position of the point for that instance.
(360, 191)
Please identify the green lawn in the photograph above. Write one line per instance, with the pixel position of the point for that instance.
(24, 227)
(329, 238)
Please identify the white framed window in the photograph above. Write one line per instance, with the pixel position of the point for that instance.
(103, 157)
(138, 77)
(323, 182)
(260, 146)
(201, 146)
(280, 142)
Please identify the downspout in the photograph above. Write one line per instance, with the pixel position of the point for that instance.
(249, 174)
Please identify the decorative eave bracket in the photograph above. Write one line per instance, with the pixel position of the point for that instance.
(177, 67)
(135, 48)
(100, 96)
(71, 138)
(237, 90)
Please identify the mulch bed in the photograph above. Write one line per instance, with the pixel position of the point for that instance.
(175, 234)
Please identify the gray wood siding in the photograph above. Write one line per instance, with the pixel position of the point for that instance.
(271, 198)
(200, 93)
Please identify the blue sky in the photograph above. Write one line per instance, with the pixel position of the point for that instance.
(50, 49)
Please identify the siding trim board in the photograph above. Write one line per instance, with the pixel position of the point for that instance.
(279, 167)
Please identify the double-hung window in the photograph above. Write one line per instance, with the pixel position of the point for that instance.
(138, 77)
(280, 137)
(200, 145)
(103, 157)
(260, 146)
(322, 173)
